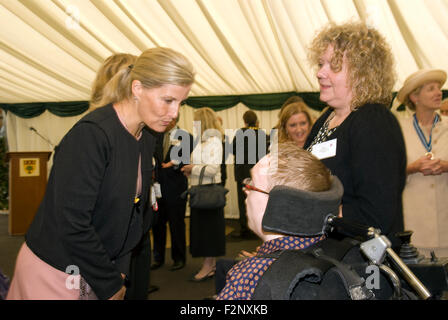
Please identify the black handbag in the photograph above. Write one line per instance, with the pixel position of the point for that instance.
(206, 196)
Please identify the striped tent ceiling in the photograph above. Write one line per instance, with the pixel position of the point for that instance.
(50, 49)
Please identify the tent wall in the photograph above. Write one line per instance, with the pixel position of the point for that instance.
(50, 50)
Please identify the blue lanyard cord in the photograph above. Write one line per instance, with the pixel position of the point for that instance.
(421, 135)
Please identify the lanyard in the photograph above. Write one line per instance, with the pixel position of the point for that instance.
(426, 144)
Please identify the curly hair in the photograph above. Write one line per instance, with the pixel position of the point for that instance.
(371, 66)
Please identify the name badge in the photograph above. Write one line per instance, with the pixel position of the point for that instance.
(157, 190)
(325, 149)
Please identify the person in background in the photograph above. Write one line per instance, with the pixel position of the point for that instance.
(248, 146)
(171, 207)
(444, 107)
(207, 227)
(357, 137)
(292, 99)
(95, 209)
(273, 134)
(279, 199)
(224, 156)
(425, 201)
(294, 123)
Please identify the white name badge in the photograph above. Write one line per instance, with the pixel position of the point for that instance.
(325, 149)
(157, 190)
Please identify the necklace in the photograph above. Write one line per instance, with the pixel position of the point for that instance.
(123, 121)
(426, 144)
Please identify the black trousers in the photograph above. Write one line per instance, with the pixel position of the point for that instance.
(139, 277)
(174, 215)
(242, 207)
(222, 267)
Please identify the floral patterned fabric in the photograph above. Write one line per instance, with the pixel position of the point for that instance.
(242, 279)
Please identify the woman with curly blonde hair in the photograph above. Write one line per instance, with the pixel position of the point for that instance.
(357, 137)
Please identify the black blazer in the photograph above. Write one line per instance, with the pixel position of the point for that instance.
(248, 149)
(370, 161)
(172, 180)
(88, 206)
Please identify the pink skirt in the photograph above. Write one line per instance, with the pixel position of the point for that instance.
(36, 280)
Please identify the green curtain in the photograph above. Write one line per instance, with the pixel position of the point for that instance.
(61, 109)
(270, 101)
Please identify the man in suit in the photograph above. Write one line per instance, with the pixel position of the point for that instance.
(177, 145)
(248, 146)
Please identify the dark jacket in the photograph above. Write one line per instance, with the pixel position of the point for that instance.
(248, 148)
(88, 207)
(172, 180)
(370, 161)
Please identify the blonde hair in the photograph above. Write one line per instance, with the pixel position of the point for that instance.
(371, 72)
(107, 70)
(298, 168)
(209, 120)
(155, 67)
(287, 112)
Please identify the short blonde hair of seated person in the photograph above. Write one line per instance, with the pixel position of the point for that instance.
(298, 168)
(108, 69)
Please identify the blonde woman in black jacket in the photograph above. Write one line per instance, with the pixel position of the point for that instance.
(95, 209)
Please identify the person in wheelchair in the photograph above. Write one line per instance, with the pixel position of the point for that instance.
(289, 199)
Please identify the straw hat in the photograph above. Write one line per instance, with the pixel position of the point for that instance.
(418, 79)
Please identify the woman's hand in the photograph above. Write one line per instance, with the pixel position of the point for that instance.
(428, 166)
(186, 169)
(119, 295)
(425, 165)
(167, 165)
(247, 254)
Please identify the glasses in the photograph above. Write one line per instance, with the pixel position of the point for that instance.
(248, 185)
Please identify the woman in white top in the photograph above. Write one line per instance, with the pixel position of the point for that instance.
(207, 227)
(425, 197)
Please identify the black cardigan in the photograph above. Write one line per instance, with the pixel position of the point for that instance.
(84, 217)
(370, 161)
(248, 151)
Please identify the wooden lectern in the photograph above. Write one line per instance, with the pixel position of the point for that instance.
(27, 183)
